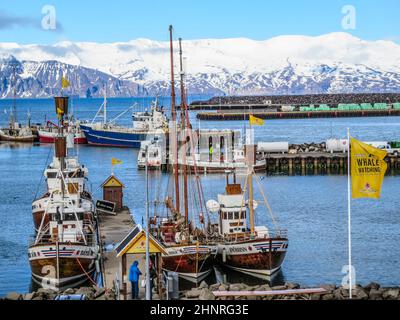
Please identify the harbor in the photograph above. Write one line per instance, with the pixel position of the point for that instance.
(191, 175)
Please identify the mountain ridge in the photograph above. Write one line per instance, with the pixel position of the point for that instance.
(331, 63)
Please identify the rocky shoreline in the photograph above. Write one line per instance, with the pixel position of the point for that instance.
(90, 293)
(372, 291)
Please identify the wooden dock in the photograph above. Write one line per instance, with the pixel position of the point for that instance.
(113, 228)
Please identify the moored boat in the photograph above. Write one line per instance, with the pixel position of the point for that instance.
(146, 125)
(65, 250)
(254, 250)
(48, 133)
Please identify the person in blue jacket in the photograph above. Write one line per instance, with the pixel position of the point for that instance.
(134, 274)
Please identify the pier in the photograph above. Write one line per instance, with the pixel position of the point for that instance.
(270, 115)
(112, 229)
(316, 163)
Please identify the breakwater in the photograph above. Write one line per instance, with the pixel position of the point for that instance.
(371, 291)
(223, 103)
(270, 115)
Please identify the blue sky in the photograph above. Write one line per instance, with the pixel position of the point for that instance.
(122, 20)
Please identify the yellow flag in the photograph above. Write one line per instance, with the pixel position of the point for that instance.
(254, 121)
(368, 169)
(115, 161)
(64, 83)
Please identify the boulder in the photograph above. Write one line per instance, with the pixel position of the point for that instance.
(236, 287)
(375, 294)
(263, 287)
(372, 285)
(329, 287)
(279, 288)
(223, 287)
(292, 286)
(215, 287)
(29, 296)
(194, 293)
(390, 294)
(328, 296)
(13, 296)
(206, 294)
(69, 291)
(360, 293)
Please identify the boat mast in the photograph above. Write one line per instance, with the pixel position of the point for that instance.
(250, 155)
(105, 105)
(173, 113)
(14, 110)
(184, 135)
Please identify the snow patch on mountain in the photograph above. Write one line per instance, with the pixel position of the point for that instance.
(331, 63)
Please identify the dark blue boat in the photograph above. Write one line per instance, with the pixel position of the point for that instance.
(113, 136)
(146, 125)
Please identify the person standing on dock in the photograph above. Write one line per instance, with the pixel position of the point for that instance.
(210, 153)
(134, 275)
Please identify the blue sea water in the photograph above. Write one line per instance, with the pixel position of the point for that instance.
(313, 208)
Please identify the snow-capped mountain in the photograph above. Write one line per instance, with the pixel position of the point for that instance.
(332, 63)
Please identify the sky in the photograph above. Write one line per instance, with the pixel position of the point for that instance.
(124, 20)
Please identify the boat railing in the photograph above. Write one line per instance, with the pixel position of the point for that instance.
(77, 239)
(273, 234)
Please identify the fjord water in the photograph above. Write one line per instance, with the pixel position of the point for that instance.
(313, 208)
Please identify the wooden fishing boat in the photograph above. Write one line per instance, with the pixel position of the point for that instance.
(188, 253)
(65, 250)
(257, 250)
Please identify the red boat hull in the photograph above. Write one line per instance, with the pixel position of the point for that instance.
(80, 140)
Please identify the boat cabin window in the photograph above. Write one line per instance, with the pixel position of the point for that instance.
(243, 215)
(52, 175)
(236, 215)
(230, 215)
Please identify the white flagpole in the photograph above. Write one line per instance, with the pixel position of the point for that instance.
(349, 212)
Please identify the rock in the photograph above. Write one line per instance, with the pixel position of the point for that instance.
(328, 287)
(206, 294)
(291, 286)
(45, 291)
(315, 296)
(223, 287)
(203, 285)
(372, 285)
(279, 288)
(328, 296)
(29, 296)
(215, 287)
(263, 287)
(236, 287)
(194, 293)
(13, 296)
(375, 294)
(69, 291)
(390, 294)
(360, 293)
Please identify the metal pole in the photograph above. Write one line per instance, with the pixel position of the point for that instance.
(148, 288)
(349, 213)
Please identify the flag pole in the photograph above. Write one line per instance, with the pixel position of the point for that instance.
(349, 212)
